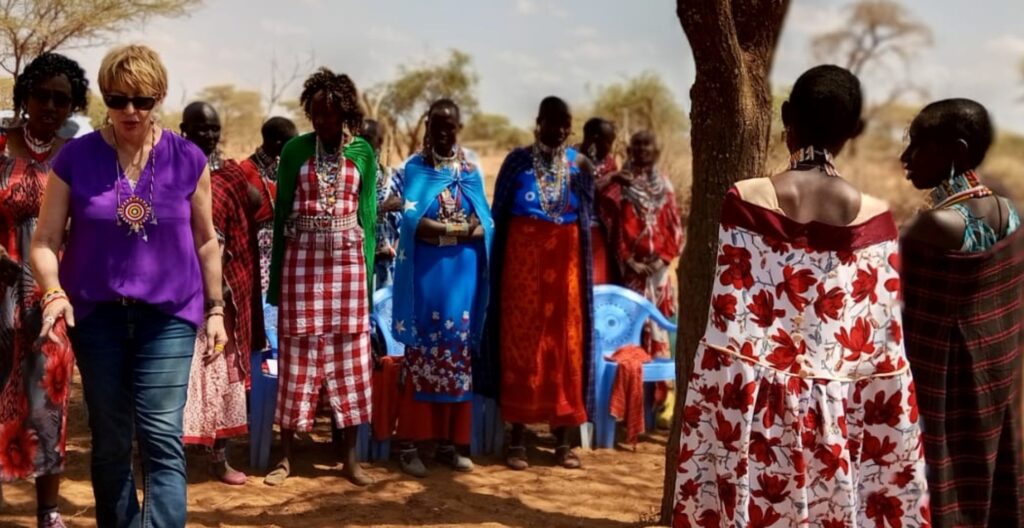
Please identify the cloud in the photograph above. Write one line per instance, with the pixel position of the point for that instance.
(1006, 44)
(529, 69)
(532, 7)
(585, 32)
(282, 29)
(592, 50)
(389, 35)
(810, 19)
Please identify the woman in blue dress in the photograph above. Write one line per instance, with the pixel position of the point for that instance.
(440, 291)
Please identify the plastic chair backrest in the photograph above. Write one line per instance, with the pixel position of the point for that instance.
(619, 317)
(270, 323)
(382, 303)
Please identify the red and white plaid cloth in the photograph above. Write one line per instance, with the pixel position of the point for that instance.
(323, 287)
(324, 313)
(341, 364)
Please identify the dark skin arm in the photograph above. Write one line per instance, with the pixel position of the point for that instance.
(942, 228)
(430, 230)
(391, 204)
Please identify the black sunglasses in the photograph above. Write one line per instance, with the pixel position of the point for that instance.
(43, 96)
(120, 102)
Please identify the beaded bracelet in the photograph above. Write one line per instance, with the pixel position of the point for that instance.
(52, 295)
(460, 228)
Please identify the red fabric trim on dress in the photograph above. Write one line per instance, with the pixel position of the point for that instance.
(815, 236)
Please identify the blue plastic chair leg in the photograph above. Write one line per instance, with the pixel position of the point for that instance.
(649, 390)
(263, 399)
(363, 442)
(604, 424)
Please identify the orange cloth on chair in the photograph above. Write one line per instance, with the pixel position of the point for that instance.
(627, 399)
(386, 397)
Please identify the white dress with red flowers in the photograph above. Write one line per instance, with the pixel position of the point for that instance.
(801, 407)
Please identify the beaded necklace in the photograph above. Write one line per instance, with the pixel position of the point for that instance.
(958, 189)
(135, 211)
(810, 156)
(37, 148)
(327, 167)
(552, 179)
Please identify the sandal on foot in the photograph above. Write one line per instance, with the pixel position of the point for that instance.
(450, 457)
(565, 457)
(515, 458)
(355, 475)
(409, 460)
(279, 474)
(50, 519)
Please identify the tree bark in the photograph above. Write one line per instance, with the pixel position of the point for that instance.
(733, 44)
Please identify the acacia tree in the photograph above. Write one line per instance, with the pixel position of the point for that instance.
(643, 102)
(241, 115)
(879, 37)
(733, 44)
(402, 103)
(29, 28)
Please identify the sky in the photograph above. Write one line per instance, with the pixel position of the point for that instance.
(524, 50)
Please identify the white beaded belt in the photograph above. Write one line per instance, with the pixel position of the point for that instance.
(324, 223)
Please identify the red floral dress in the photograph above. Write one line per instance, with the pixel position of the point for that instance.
(801, 408)
(34, 379)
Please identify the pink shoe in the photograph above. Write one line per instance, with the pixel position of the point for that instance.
(220, 468)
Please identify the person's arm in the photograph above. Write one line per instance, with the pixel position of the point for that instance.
(430, 230)
(46, 243)
(208, 249)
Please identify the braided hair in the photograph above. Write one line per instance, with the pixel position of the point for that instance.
(44, 68)
(341, 93)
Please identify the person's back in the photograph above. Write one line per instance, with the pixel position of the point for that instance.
(814, 196)
(801, 372)
(963, 279)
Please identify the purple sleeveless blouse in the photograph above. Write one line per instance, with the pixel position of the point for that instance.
(103, 261)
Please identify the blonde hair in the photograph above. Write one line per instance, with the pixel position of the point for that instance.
(134, 68)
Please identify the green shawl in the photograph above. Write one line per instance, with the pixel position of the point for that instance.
(297, 152)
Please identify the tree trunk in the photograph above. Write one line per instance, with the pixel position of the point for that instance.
(733, 43)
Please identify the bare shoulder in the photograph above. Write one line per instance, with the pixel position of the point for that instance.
(941, 228)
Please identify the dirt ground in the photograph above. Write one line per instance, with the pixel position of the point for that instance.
(616, 489)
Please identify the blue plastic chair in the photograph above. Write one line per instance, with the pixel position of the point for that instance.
(263, 396)
(368, 448)
(619, 317)
(488, 429)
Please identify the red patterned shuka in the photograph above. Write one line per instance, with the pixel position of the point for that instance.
(233, 219)
(642, 219)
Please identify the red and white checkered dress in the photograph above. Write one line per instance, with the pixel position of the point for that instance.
(324, 313)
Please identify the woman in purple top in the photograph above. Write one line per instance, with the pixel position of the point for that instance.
(140, 251)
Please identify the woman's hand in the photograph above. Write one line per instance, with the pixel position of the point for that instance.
(391, 204)
(57, 309)
(216, 337)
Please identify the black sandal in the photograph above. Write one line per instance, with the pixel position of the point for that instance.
(515, 458)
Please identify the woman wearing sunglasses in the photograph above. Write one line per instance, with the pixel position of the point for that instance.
(140, 272)
(33, 379)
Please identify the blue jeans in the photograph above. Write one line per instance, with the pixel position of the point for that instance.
(135, 363)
